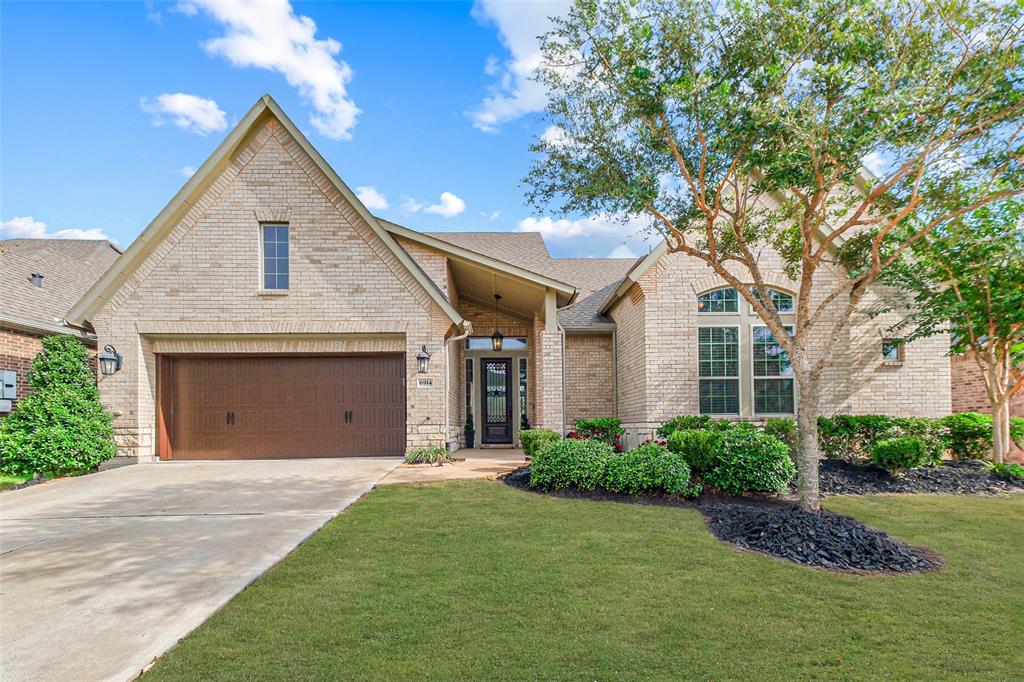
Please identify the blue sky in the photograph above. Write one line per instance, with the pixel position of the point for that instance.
(423, 106)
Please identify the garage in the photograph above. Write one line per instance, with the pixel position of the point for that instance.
(278, 407)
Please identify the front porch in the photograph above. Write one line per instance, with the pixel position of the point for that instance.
(474, 463)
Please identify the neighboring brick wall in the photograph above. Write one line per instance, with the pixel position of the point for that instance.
(204, 278)
(17, 351)
(969, 394)
(589, 377)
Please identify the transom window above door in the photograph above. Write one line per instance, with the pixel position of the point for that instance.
(484, 343)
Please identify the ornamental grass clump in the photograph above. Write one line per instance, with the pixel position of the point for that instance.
(648, 469)
(61, 428)
(436, 455)
(570, 463)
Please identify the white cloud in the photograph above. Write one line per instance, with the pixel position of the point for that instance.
(27, 227)
(876, 163)
(188, 171)
(622, 251)
(448, 207)
(554, 136)
(267, 34)
(490, 217)
(564, 228)
(519, 25)
(188, 112)
(410, 205)
(371, 198)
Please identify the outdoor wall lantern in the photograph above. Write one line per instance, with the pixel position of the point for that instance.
(110, 361)
(423, 359)
(497, 338)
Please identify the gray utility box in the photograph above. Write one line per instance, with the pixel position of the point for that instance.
(8, 389)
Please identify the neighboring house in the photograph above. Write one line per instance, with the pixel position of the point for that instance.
(969, 394)
(40, 279)
(266, 313)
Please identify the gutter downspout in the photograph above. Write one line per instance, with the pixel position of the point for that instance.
(561, 331)
(468, 327)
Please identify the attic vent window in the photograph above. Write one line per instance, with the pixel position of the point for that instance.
(36, 279)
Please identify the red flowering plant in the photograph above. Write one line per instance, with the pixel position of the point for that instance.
(651, 441)
(575, 436)
(604, 429)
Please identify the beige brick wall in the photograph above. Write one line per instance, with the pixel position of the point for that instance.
(589, 377)
(656, 341)
(205, 278)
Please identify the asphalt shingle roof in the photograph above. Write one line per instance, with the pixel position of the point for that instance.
(69, 267)
(594, 278)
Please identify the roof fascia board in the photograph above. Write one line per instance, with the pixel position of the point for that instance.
(42, 328)
(480, 259)
(633, 276)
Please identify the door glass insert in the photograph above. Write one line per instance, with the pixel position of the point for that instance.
(496, 381)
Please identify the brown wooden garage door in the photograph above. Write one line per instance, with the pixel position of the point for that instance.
(281, 407)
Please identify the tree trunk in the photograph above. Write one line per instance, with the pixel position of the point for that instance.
(808, 451)
(1001, 430)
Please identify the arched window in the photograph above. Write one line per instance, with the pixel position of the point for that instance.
(719, 301)
(783, 301)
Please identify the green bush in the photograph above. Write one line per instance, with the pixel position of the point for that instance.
(684, 422)
(751, 461)
(699, 449)
(928, 430)
(570, 463)
(1008, 470)
(784, 429)
(968, 435)
(533, 440)
(851, 437)
(896, 455)
(61, 428)
(648, 468)
(605, 429)
(435, 455)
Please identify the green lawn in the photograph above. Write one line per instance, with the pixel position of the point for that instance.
(476, 580)
(8, 481)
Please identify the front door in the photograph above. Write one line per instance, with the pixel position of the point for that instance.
(497, 399)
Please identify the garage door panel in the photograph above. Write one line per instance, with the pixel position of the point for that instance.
(284, 407)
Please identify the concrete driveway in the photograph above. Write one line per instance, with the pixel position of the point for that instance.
(101, 574)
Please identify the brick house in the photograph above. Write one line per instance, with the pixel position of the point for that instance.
(266, 312)
(40, 279)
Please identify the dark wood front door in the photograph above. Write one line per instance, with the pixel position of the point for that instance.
(497, 398)
(273, 407)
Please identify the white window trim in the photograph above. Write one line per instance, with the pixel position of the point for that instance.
(261, 289)
(754, 377)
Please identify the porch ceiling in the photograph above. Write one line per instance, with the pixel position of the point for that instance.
(479, 284)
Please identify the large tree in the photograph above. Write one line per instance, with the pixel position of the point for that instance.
(969, 275)
(740, 125)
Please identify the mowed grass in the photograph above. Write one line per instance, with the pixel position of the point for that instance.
(476, 580)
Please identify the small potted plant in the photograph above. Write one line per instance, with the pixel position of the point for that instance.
(470, 433)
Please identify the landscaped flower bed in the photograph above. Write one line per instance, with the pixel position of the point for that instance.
(969, 477)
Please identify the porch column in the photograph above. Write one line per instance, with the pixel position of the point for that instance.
(550, 413)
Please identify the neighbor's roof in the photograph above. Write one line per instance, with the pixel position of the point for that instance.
(69, 268)
(593, 278)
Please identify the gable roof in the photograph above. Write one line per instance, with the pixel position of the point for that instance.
(592, 278)
(147, 242)
(69, 267)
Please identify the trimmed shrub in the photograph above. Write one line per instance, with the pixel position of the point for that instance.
(928, 430)
(699, 449)
(604, 429)
(435, 455)
(570, 463)
(533, 440)
(968, 435)
(684, 422)
(1008, 470)
(61, 428)
(896, 455)
(851, 437)
(647, 469)
(784, 429)
(751, 461)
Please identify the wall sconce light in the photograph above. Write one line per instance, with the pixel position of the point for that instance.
(423, 360)
(110, 361)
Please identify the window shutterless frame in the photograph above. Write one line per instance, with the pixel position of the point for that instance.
(274, 257)
(772, 373)
(718, 355)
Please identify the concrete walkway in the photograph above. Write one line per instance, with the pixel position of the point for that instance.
(101, 574)
(479, 463)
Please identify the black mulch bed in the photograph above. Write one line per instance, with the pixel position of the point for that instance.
(959, 478)
(777, 528)
(824, 539)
